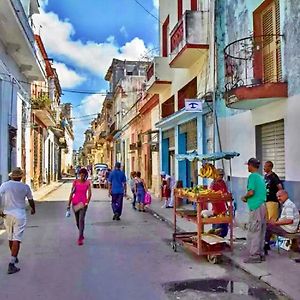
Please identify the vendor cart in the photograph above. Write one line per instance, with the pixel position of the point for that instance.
(199, 242)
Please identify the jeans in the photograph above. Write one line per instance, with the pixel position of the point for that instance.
(80, 218)
(273, 229)
(134, 198)
(117, 203)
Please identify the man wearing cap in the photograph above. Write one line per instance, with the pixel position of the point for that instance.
(117, 190)
(256, 198)
(13, 195)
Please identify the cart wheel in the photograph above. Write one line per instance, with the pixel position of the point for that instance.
(213, 259)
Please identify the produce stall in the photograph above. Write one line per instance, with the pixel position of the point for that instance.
(199, 242)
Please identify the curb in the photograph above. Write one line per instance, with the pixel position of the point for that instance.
(250, 269)
(51, 191)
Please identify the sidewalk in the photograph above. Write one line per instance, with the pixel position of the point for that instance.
(279, 271)
(46, 190)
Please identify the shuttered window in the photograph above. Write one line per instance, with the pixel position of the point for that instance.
(272, 145)
(270, 20)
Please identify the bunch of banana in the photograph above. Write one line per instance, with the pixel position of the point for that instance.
(208, 171)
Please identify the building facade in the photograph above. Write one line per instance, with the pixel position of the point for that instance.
(258, 76)
(19, 67)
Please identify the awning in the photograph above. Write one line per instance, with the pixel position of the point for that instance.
(209, 157)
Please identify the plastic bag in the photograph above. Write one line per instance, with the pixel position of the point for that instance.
(148, 199)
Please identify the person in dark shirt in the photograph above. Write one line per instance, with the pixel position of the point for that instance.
(273, 185)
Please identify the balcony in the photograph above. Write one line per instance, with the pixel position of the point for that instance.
(41, 108)
(189, 39)
(253, 72)
(17, 36)
(158, 75)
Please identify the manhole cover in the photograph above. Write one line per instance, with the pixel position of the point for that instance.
(207, 287)
(32, 226)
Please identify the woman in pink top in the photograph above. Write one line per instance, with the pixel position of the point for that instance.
(80, 197)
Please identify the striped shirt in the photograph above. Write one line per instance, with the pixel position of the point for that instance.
(290, 211)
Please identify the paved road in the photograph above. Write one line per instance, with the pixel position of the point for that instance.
(130, 259)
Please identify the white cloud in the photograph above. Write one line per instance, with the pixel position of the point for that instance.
(95, 57)
(156, 3)
(67, 77)
(123, 30)
(84, 114)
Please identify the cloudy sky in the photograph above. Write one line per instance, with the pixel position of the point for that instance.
(84, 36)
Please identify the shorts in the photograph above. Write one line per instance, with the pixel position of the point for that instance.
(14, 228)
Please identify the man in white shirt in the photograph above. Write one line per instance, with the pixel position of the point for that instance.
(288, 221)
(13, 195)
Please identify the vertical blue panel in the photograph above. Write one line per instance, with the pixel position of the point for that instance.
(165, 155)
(182, 165)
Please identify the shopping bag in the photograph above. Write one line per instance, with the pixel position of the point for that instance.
(148, 199)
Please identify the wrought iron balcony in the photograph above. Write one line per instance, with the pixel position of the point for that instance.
(189, 39)
(253, 72)
(158, 75)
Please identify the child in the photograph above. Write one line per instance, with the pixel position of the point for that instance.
(132, 187)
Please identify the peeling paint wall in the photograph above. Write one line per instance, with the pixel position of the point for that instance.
(291, 30)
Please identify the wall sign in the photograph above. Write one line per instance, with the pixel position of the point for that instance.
(193, 105)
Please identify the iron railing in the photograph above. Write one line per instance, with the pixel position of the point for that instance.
(253, 61)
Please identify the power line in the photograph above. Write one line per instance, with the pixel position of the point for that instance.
(146, 10)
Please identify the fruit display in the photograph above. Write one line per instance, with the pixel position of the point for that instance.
(191, 192)
(208, 171)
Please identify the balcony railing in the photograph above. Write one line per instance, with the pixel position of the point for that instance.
(253, 69)
(190, 33)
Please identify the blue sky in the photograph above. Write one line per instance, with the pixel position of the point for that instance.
(83, 36)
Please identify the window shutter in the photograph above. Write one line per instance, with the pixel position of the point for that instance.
(272, 141)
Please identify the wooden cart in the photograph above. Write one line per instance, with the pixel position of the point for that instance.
(198, 242)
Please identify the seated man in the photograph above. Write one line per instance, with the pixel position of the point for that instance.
(288, 221)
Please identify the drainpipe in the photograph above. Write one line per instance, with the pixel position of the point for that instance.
(214, 73)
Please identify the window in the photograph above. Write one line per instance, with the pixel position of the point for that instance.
(194, 4)
(165, 34)
(179, 9)
(270, 145)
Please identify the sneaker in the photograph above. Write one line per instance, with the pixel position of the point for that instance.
(252, 260)
(134, 207)
(169, 206)
(12, 269)
(80, 242)
(118, 218)
(263, 258)
(114, 217)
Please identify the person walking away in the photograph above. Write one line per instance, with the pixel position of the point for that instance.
(273, 185)
(132, 188)
(80, 198)
(288, 221)
(256, 197)
(13, 195)
(167, 187)
(219, 208)
(140, 189)
(117, 190)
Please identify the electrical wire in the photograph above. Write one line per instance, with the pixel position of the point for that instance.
(146, 10)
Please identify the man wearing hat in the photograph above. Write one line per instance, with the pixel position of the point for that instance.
(256, 197)
(13, 195)
(117, 190)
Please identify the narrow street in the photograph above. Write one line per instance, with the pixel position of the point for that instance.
(130, 259)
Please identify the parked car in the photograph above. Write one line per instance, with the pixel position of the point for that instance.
(99, 170)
